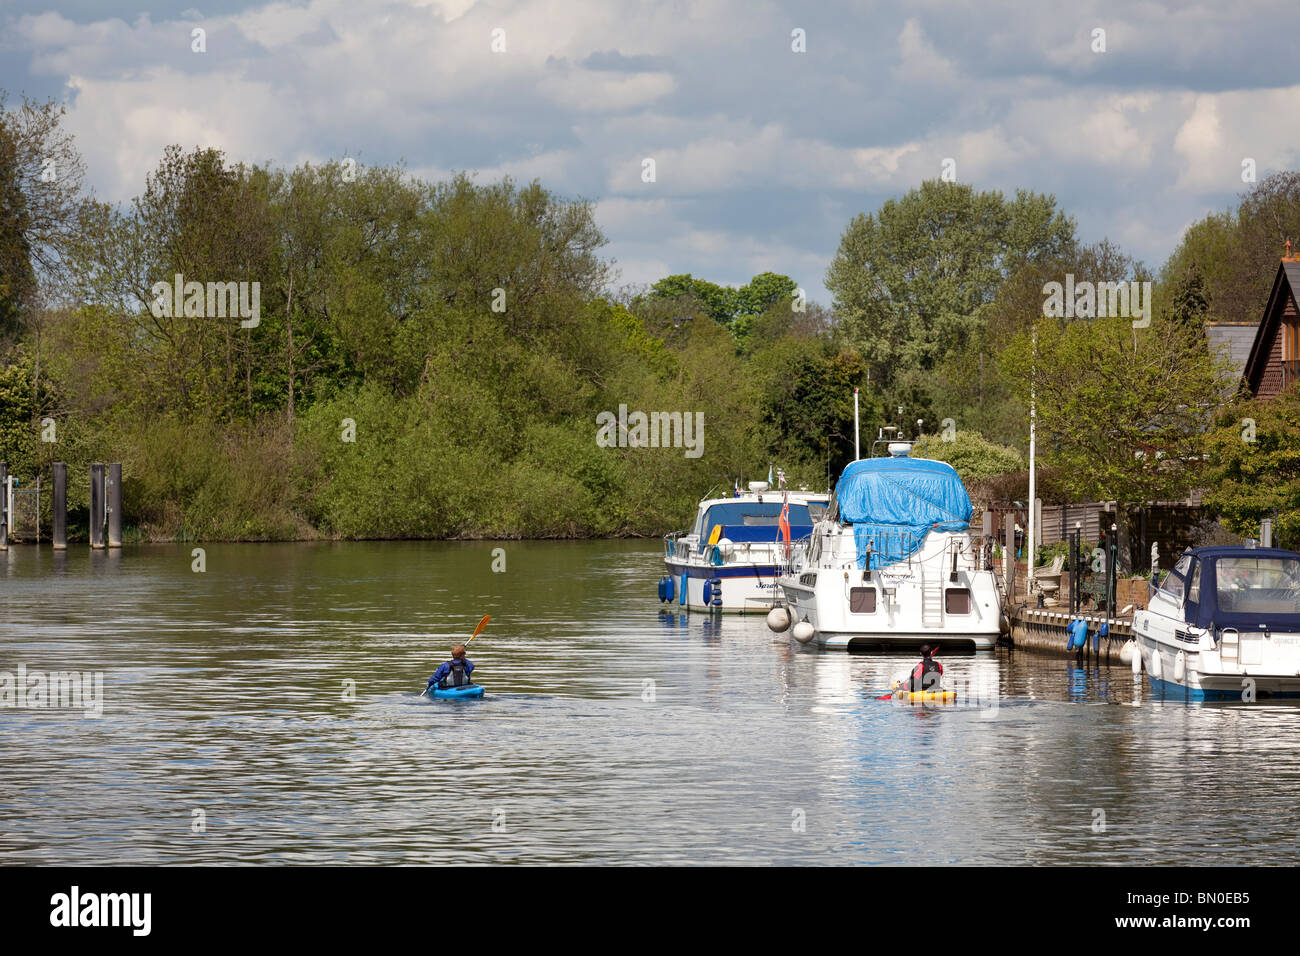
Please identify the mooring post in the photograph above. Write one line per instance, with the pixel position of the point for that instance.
(115, 505)
(1075, 583)
(4, 506)
(60, 506)
(1009, 558)
(96, 506)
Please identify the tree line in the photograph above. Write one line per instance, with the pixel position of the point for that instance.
(429, 359)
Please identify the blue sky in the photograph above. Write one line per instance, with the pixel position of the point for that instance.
(762, 154)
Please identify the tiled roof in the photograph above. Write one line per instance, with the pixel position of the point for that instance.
(1232, 342)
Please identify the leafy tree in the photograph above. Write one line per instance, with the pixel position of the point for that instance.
(910, 280)
(1234, 254)
(976, 458)
(1254, 467)
(733, 308)
(1121, 411)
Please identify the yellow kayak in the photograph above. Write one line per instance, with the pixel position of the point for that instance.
(924, 696)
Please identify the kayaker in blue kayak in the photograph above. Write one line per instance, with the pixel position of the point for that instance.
(927, 674)
(455, 672)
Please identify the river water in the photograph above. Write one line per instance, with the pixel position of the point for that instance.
(266, 710)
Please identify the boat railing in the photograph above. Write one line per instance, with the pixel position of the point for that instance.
(672, 544)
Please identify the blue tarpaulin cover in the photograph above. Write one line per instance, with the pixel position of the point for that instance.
(893, 503)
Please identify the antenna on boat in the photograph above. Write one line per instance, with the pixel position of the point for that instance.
(856, 453)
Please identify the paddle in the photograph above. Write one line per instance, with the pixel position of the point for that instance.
(478, 630)
(890, 695)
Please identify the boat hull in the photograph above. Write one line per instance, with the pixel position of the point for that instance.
(897, 624)
(1204, 676)
(746, 588)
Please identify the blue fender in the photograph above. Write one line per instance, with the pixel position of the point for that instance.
(668, 590)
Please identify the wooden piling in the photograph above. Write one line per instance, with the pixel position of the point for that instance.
(115, 505)
(96, 506)
(59, 506)
(4, 506)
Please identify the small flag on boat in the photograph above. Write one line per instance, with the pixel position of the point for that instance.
(737, 487)
(784, 523)
(769, 476)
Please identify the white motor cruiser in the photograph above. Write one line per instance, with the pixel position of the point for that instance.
(730, 559)
(893, 563)
(1224, 624)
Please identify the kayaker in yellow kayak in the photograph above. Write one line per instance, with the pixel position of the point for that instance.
(927, 674)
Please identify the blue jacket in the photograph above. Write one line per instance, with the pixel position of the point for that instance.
(444, 670)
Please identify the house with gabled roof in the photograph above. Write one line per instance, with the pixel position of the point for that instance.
(1273, 363)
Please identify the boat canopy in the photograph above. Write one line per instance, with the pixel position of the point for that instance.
(893, 503)
(1245, 588)
(757, 520)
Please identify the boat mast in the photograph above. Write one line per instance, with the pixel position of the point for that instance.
(1033, 422)
(856, 452)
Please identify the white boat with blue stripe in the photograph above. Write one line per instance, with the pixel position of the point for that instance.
(1224, 624)
(730, 558)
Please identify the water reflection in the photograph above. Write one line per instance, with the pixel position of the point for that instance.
(276, 692)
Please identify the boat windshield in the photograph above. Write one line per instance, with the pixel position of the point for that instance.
(1269, 585)
(755, 520)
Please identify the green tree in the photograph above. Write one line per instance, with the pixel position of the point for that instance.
(976, 458)
(1234, 254)
(1121, 411)
(1254, 467)
(910, 280)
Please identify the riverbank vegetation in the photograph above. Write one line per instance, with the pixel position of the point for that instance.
(390, 357)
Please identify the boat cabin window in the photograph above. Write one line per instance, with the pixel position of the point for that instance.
(1175, 582)
(816, 509)
(1258, 585)
(862, 600)
(956, 601)
(754, 521)
(1194, 585)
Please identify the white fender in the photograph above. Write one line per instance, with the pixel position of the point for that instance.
(1155, 669)
(1136, 659)
(778, 619)
(1180, 667)
(803, 632)
(1126, 652)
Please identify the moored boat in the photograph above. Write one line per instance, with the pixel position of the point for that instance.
(893, 563)
(1224, 624)
(730, 558)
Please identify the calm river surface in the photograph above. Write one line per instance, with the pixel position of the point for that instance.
(228, 737)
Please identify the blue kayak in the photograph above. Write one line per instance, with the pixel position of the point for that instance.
(467, 692)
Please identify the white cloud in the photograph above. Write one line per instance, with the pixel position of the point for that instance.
(1136, 142)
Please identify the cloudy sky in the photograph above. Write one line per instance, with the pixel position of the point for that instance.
(762, 154)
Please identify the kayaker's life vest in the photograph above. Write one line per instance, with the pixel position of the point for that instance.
(925, 676)
(457, 677)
